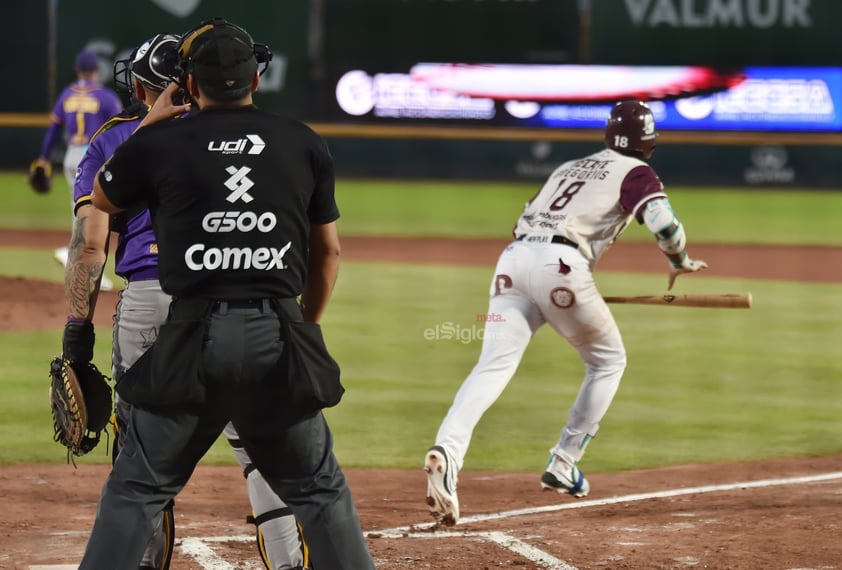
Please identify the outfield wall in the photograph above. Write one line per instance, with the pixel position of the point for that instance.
(796, 160)
(686, 159)
(531, 161)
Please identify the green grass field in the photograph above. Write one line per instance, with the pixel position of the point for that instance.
(701, 385)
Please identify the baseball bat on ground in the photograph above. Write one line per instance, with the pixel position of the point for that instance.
(720, 300)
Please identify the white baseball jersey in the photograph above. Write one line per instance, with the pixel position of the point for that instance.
(590, 201)
(537, 280)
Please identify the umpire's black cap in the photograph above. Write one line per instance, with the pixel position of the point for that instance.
(221, 55)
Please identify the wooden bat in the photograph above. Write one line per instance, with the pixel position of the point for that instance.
(720, 300)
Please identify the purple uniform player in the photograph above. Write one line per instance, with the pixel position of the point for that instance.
(136, 257)
(80, 110)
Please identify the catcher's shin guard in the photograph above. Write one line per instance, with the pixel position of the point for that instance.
(279, 538)
(277, 549)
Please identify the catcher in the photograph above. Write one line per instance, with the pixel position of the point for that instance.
(80, 397)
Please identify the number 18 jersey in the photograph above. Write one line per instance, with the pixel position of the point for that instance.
(591, 200)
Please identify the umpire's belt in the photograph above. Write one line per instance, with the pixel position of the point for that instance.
(546, 238)
(196, 307)
(263, 305)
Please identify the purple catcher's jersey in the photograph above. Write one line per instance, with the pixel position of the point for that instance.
(82, 108)
(137, 250)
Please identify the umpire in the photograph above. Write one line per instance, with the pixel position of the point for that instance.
(242, 203)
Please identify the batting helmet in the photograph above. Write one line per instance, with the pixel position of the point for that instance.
(151, 63)
(630, 129)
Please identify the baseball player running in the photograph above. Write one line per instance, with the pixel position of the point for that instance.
(81, 108)
(546, 276)
(143, 305)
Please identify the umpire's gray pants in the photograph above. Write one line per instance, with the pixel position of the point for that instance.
(293, 452)
(141, 311)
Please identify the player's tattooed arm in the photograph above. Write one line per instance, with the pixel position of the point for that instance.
(85, 262)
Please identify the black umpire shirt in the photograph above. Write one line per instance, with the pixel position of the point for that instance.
(232, 193)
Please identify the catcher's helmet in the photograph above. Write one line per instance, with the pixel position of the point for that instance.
(152, 63)
(219, 51)
(630, 129)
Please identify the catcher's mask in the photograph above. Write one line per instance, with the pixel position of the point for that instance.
(221, 56)
(152, 64)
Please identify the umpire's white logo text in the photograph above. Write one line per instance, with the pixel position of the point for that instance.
(198, 258)
(238, 146)
(222, 222)
(239, 184)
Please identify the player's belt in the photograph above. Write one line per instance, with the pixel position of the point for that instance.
(545, 238)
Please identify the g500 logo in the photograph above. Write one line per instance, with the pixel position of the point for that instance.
(222, 222)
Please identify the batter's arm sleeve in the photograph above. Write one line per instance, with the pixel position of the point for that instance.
(322, 269)
(640, 185)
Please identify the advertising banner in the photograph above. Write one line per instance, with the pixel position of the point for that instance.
(784, 99)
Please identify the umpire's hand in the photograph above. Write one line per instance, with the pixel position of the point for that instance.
(165, 107)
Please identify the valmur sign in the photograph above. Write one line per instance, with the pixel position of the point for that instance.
(720, 13)
(716, 32)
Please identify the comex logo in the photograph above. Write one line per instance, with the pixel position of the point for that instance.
(239, 184)
(199, 257)
(238, 146)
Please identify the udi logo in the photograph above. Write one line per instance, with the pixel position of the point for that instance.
(253, 143)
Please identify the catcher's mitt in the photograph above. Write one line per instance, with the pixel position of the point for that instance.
(40, 176)
(80, 398)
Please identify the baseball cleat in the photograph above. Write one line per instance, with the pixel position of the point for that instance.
(441, 486)
(563, 477)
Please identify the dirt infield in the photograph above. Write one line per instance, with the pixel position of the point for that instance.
(778, 514)
(664, 518)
